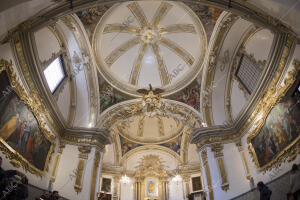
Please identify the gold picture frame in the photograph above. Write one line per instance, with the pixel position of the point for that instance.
(16, 159)
(290, 151)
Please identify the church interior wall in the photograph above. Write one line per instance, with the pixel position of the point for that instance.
(228, 47)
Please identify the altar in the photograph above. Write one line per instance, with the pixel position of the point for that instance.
(151, 180)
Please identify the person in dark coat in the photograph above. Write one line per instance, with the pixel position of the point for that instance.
(265, 192)
(22, 190)
(7, 180)
(46, 195)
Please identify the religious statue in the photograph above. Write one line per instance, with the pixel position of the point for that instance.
(151, 187)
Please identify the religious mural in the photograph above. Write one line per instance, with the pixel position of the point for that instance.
(280, 130)
(207, 15)
(174, 144)
(19, 127)
(127, 145)
(108, 95)
(190, 95)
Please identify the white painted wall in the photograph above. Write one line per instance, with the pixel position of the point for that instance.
(230, 44)
(15, 15)
(109, 155)
(193, 154)
(66, 173)
(238, 99)
(176, 190)
(80, 78)
(259, 45)
(127, 190)
(46, 43)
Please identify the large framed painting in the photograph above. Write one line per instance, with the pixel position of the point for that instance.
(276, 136)
(106, 185)
(23, 136)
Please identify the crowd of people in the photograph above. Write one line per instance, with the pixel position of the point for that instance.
(14, 186)
(47, 195)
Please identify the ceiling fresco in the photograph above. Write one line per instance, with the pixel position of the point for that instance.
(190, 95)
(108, 96)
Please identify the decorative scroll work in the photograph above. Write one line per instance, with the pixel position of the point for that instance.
(168, 108)
(21, 153)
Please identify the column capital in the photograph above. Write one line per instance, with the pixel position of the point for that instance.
(217, 149)
(84, 151)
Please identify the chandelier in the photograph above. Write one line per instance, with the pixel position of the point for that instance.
(125, 179)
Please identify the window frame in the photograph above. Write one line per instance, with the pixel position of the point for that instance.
(239, 66)
(63, 67)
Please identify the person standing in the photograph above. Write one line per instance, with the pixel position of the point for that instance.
(265, 192)
(295, 182)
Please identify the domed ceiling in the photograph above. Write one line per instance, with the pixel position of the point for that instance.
(149, 42)
(150, 130)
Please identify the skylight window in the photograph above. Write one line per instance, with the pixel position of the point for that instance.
(55, 74)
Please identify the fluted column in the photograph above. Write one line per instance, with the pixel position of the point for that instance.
(138, 187)
(115, 189)
(96, 174)
(56, 161)
(83, 156)
(243, 157)
(218, 153)
(164, 188)
(186, 181)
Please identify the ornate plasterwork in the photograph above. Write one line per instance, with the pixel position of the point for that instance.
(205, 136)
(56, 29)
(33, 91)
(151, 148)
(88, 63)
(150, 165)
(275, 94)
(83, 156)
(217, 149)
(207, 87)
(170, 108)
(152, 36)
(233, 67)
(34, 105)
